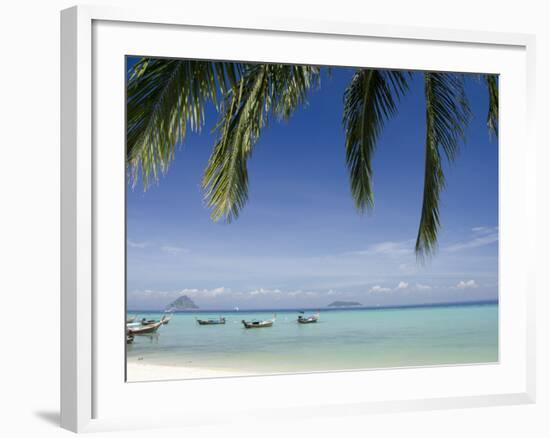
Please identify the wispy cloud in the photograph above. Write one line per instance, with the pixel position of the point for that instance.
(227, 292)
(470, 284)
(379, 289)
(386, 248)
(262, 291)
(134, 244)
(174, 250)
(173, 294)
(481, 236)
(265, 297)
(225, 297)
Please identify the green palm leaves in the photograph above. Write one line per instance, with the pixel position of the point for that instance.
(369, 100)
(447, 114)
(168, 97)
(492, 113)
(263, 90)
(165, 98)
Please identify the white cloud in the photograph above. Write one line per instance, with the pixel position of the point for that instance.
(423, 286)
(470, 284)
(262, 291)
(134, 244)
(402, 285)
(387, 248)
(226, 293)
(481, 236)
(191, 292)
(217, 291)
(484, 230)
(379, 289)
(173, 249)
(276, 293)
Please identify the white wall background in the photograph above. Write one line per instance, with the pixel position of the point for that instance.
(29, 213)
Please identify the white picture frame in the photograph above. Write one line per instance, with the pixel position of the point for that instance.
(93, 395)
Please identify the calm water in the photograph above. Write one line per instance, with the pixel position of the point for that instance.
(342, 339)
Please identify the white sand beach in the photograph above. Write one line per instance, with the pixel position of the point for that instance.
(142, 372)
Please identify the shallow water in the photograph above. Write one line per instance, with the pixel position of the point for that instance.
(342, 339)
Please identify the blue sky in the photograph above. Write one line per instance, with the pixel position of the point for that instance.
(299, 242)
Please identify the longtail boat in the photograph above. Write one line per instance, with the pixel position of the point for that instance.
(220, 320)
(164, 320)
(144, 329)
(258, 324)
(308, 319)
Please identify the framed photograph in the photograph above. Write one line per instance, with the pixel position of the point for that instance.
(301, 218)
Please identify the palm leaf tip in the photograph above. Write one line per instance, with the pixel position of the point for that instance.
(492, 114)
(369, 100)
(447, 115)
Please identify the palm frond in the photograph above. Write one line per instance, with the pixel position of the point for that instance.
(164, 98)
(447, 114)
(263, 90)
(492, 113)
(370, 99)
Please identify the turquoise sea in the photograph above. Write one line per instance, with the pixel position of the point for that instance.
(343, 339)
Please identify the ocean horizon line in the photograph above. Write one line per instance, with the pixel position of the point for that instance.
(326, 308)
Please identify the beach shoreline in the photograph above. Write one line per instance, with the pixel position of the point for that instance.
(343, 340)
(143, 372)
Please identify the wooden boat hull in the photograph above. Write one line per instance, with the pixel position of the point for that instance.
(145, 330)
(257, 324)
(164, 320)
(149, 322)
(211, 321)
(307, 320)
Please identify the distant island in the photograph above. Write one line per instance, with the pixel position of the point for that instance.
(182, 303)
(344, 304)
